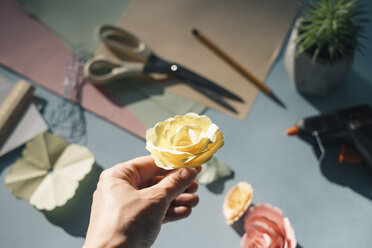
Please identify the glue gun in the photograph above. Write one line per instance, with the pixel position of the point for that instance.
(351, 127)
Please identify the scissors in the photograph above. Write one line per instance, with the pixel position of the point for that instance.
(100, 70)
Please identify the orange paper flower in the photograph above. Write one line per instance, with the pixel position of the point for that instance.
(237, 202)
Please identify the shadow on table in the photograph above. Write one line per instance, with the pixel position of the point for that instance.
(218, 186)
(125, 91)
(355, 176)
(10, 158)
(41, 104)
(73, 217)
(357, 90)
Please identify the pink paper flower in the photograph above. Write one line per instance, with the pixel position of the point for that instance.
(265, 227)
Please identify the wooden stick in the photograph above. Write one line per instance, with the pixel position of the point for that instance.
(13, 107)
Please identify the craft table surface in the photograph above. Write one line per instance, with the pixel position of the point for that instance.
(329, 205)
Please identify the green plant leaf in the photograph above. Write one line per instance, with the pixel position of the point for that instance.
(330, 29)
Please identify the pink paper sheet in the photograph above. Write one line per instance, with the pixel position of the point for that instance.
(30, 49)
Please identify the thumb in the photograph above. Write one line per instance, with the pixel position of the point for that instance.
(177, 182)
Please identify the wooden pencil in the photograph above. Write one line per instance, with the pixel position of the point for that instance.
(232, 62)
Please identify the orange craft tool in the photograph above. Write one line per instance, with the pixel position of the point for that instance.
(351, 127)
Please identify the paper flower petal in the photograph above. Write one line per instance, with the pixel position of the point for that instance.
(43, 150)
(265, 226)
(237, 202)
(23, 178)
(213, 170)
(49, 172)
(183, 141)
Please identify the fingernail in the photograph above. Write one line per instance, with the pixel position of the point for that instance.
(188, 173)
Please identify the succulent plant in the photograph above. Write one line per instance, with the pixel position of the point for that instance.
(330, 29)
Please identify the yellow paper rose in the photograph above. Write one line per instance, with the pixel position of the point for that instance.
(183, 141)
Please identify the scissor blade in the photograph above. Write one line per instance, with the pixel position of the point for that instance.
(164, 67)
(212, 95)
(185, 73)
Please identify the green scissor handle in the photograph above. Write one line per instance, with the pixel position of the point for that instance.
(124, 42)
(101, 70)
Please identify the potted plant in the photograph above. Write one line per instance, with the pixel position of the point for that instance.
(322, 44)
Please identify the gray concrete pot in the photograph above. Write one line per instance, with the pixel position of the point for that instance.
(318, 79)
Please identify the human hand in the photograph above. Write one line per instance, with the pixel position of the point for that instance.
(134, 198)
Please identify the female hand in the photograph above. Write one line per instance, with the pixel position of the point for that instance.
(134, 198)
